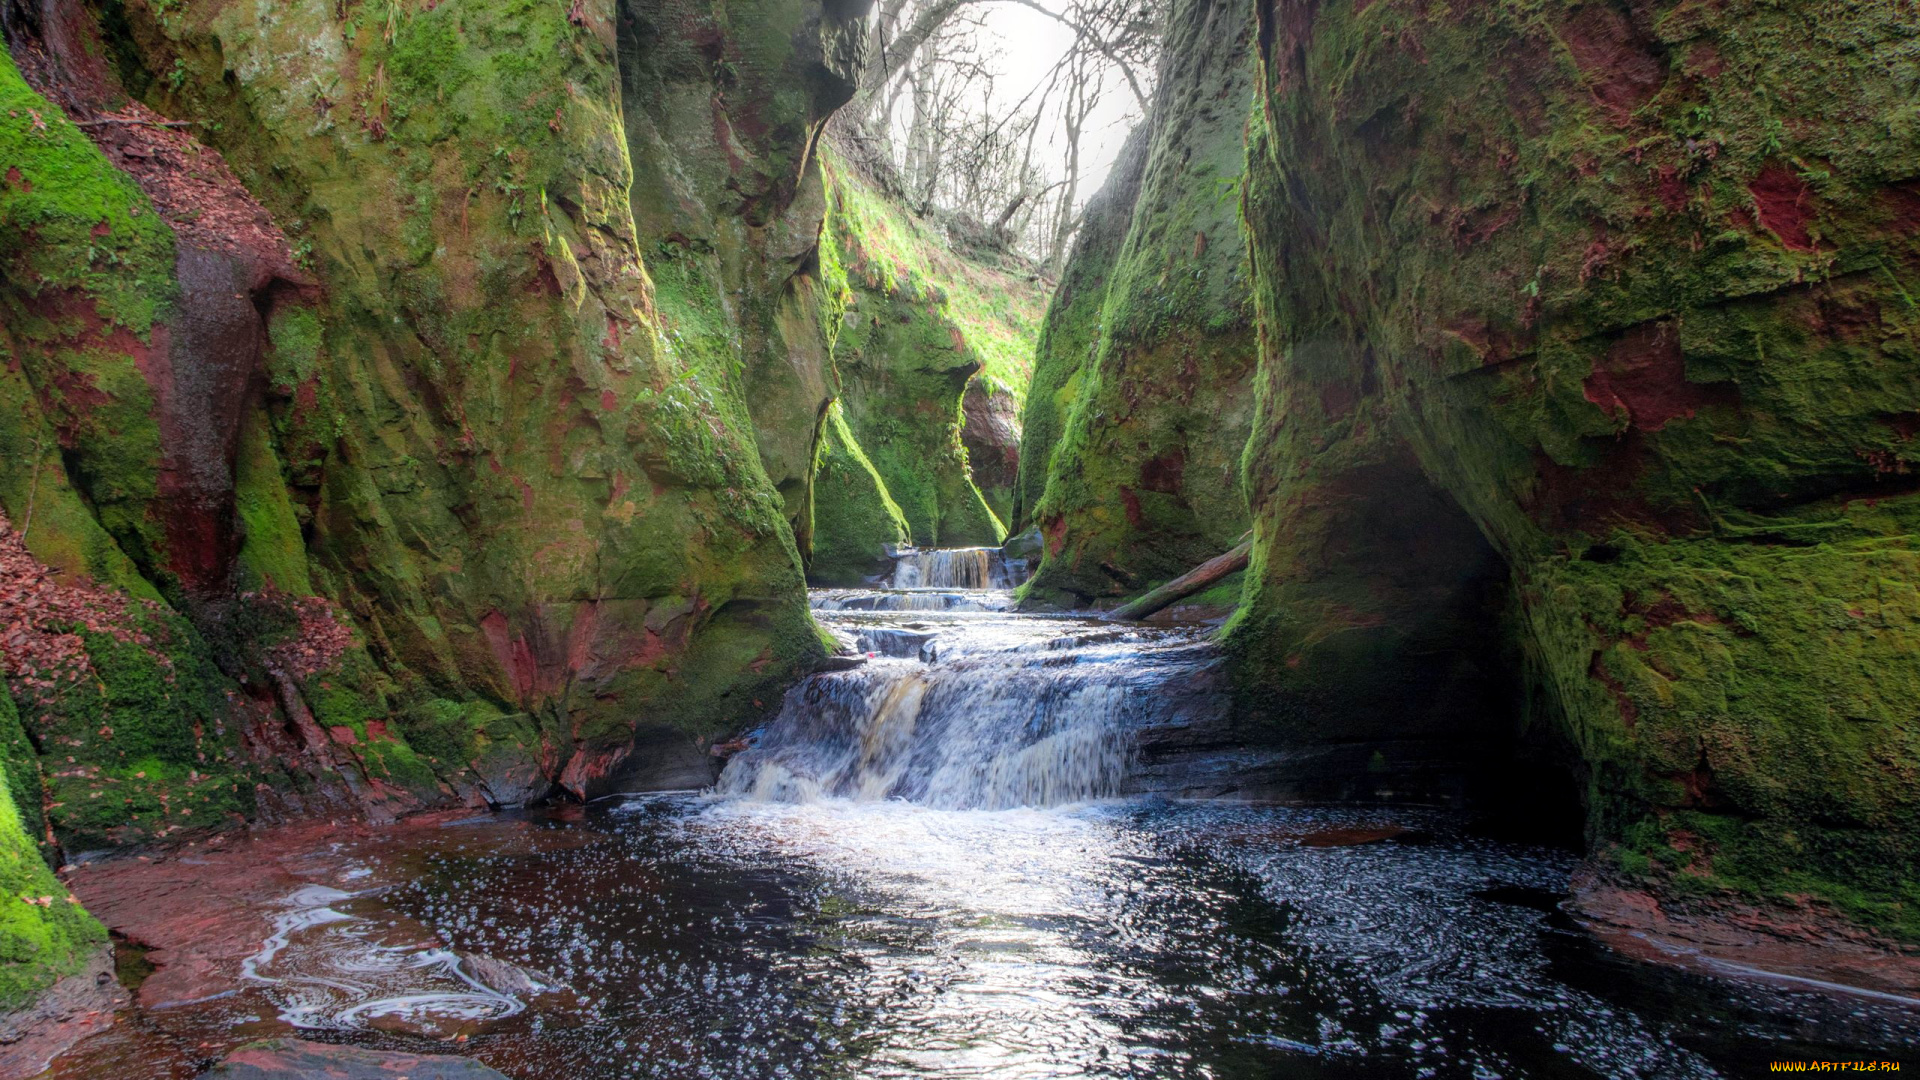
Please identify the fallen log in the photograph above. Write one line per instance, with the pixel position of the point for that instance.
(1201, 577)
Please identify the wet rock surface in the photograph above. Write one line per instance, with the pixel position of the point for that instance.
(1812, 946)
(199, 912)
(76, 1006)
(293, 1059)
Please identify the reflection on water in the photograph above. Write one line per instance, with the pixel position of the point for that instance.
(718, 938)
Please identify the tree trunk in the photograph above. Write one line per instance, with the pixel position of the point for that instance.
(1204, 576)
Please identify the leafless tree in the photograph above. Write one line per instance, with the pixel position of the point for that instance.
(931, 112)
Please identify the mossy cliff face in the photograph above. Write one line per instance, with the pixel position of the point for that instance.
(1589, 361)
(1143, 481)
(1069, 333)
(990, 433)
(724, 107)
(129, 728)
(356, 465)
(527, 495)
(917, 325)
(857, 523)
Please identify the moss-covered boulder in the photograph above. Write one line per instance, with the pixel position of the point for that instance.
(1148, 371)
(45, 935)
(1588, 389)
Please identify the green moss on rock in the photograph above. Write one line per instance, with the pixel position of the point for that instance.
(70, 221)
(122, 718)
(485, 441)
(45, 935)
(1070, 331)
(1626, 296)
(22, 768)
(1141, 402)
(916, 324)
(724, 106)
(88, 277)
(855, 519)
(273, 553)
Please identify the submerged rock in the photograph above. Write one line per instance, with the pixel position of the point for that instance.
(296, 1059)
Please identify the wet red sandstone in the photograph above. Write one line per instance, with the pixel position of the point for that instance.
(1727, 938)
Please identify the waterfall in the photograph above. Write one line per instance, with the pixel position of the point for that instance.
(951, 568)
(974, 712)
(908, 600)
(986, 739)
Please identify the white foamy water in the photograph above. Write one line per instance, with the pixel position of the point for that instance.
(963, 705)
(909, 600)
(951, 568)
(329, 969)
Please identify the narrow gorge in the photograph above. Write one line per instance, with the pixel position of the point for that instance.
(536, 541)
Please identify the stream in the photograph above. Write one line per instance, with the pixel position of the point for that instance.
(945, 863)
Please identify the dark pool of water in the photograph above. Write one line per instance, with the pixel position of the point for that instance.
(680, 937)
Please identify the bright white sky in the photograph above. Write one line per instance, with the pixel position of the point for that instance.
(1030, 45)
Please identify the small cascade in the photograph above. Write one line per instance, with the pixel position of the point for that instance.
(951, 568)
(909, 600)
(982, 712)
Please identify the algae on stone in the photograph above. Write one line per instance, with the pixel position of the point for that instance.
(917, 324)
(1589, 336)
(1150, 346)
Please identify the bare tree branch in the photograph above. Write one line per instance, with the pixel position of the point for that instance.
(928, 114)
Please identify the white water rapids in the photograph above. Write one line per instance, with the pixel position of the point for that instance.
(964, 705)
(952, 568)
